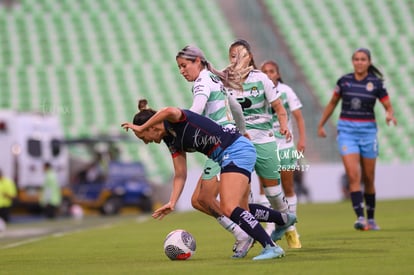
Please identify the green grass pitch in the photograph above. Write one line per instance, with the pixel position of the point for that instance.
(132, 245)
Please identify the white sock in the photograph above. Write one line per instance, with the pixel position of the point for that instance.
(276, 196)
(292, 202)
(264, 201)
(232, 227)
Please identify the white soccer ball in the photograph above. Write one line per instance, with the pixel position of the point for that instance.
(179, 245)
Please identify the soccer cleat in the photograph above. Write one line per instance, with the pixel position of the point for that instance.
(281, 229)
(372, 225)
(241, 247)
(292, 238)
(361, 224)
(270, 252)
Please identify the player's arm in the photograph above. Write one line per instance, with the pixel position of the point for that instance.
(237, 113)
(281, 113)
(330, 107)
(300, 122)
(389, 111)
(171, 114)
(180, 176)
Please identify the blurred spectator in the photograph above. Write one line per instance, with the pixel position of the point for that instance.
(301, 189)
(9, 4)
(51, 196)
(98, 170)
(8, 192)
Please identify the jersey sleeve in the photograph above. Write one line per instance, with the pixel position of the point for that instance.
(201, 93)
(293, 100)
(270, 89)
(337, 90)
(382, 91)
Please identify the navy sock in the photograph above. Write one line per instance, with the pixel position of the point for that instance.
(251, 226)
(358, 203)
(370, 203)
(266, 214)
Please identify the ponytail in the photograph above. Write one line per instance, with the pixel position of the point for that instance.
(144, 114)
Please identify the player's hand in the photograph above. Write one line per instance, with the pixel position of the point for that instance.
(246, 135)
(163, 211)
(321, 132)
(286, 133)
(390, 119)
(128, 125)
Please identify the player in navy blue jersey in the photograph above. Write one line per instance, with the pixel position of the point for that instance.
(357, 131)
(185, 131)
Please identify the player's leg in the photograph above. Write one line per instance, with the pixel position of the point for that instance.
(269, 177)
(369, 153)
(350, 153)
(205, 198)
(291, 234)
(234, 191)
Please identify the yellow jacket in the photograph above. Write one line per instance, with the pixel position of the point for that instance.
(7, 192)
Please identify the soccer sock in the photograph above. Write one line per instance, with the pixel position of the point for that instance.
(370, 203)
(357, 203)
(232, 227)
(276, 198)
(292, 202)
(265, 214)
(269, 226)
(264, 201)
(251, 226)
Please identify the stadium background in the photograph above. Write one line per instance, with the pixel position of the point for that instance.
(89, 61)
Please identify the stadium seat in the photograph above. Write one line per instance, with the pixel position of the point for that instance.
(322, 35)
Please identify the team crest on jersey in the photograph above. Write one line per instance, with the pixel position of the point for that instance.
(370, 87)
(254, 92)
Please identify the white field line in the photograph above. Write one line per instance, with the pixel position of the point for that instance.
(63, 233)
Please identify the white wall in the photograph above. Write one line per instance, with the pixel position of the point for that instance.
(323, 181)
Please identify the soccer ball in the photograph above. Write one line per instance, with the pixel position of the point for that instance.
(179, 245)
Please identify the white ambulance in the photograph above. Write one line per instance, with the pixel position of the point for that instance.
(27, 141)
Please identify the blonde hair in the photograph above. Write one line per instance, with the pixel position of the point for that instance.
(234, 74)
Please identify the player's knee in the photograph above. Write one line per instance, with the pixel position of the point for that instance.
(204, 198)
(195, 203)
(227, 209)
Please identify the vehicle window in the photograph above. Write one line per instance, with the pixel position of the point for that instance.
(34, 147)
(55, 144)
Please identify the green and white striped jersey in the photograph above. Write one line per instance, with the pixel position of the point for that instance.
(210, 100)
(258, 92)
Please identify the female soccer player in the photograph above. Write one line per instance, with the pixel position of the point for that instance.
(288, 153)
(210, 100)
(357, 131)
(255, 92)
(185, 131)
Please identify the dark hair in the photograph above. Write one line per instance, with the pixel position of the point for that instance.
(274, 64)
(144, 113)
(246, 45)
(371, 69)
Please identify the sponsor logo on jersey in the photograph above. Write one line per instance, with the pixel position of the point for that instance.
(214, 78)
